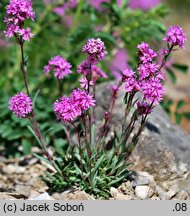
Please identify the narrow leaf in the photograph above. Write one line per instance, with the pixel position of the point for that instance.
(180, 104)
(181, 68)
(172, 75)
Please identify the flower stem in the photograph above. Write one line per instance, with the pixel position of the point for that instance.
(80, 146)
(88, 149)
(34, 121)
(128, 107)
(60, 87)
(166, 57)
(103, 131)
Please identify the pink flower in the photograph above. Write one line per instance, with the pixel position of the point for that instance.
(145, 53)
(128, 73)
(67, 109)
(175, 36)
(26, 33)
(144, 108)
(146, 70)
(20, 105)
(131, 85)
(82, 99)
(163, 52)
(59, 66)
(95, 49)
(115, 90)
(143, 4)
(17, 12)
(153, 90)
(130, 80)
(148, 80)
(87, 67)
(85, 83)
(84, 67)
(97, 73)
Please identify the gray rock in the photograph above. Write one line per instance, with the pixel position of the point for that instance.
(11, 196)
(164, 148)
(24, 189)
(117, 195)
(72, 195)
(13, 169)
(182, 195)
(143, 192)
(127, 189)
(143, 178)
(44, 196)
(161, 193)
(185, 183)
(173, 190)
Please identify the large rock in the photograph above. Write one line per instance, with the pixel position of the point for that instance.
(164, 148)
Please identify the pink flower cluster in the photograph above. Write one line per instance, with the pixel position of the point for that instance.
(67, 109)
(17, 12)
(84, 67)
(84, 83)
(131, 85)
(145, 53)
(60, 67)
(20, 105)
(97, 73)
(175, 36)
(147, 79)
(149, 75)
(87, 67)
(95, 49)
(96, 52)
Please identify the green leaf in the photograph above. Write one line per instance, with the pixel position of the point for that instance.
(181, 68)
(180, 104)
(186, 115)
(59, 145)
(35, 97)
(172, 75)
(126, 97)
(15, 135)
(43, 159)
(116, 9)
(106, 37)
(26, 144)
(93, 135)
(115, 181)
(7, 133)
(98, 163)
(169, 103)
(48, 130)
(33, 132)
(178, 118)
